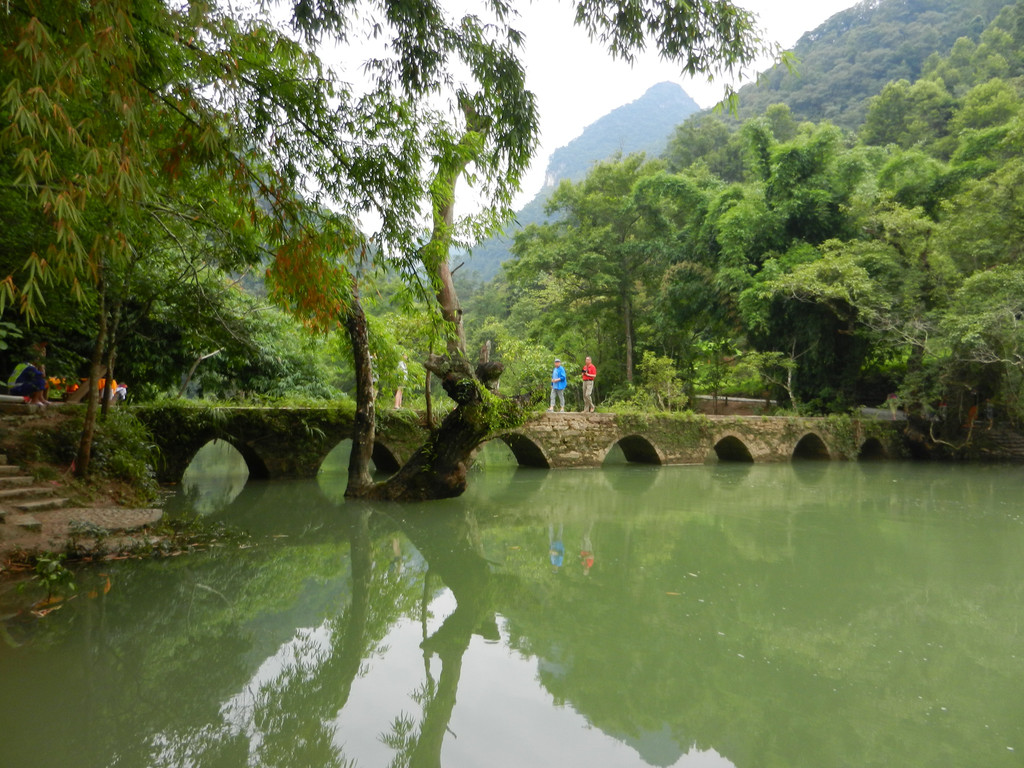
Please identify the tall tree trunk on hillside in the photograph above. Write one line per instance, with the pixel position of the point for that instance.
(106, 396)
(438, 469)
(627, 318)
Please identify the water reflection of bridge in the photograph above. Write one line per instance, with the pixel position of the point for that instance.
(293, 442)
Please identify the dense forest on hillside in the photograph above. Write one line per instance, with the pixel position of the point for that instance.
(851, 57)
(838, 67)
(827, 256)
(830, 267)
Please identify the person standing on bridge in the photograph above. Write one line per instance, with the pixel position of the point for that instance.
(589, 374)
(558, 383)
(403, 374)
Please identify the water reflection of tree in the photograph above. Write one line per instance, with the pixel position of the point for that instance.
(295, 715)
(290, 719)
(452, 546)
(200, 642)
(714, 623)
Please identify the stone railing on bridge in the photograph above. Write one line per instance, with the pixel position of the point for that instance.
(293, 442)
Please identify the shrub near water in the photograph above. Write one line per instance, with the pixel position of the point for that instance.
(122, 450)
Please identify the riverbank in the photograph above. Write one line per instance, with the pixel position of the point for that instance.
(45, 509)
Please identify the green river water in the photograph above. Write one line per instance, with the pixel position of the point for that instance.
(805, 614)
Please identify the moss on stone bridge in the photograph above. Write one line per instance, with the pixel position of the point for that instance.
(293, 441)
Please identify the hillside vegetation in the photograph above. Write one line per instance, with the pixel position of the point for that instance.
(643, 125)
(832, 266)
(854, 237)
(839, 66)
(850, 58)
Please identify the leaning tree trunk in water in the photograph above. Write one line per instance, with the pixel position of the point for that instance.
(438, 469)
(360, 483)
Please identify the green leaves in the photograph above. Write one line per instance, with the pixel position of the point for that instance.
(697, 35)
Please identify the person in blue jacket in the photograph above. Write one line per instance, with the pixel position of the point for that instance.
(29, 382)
(558, 382)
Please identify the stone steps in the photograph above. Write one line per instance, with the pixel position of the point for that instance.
(38, 505)
(23, 491)
(25, 522)
(20, 498)
(36, 516)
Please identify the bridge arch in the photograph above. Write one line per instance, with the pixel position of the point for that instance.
(336, 459)
(527, 452)
(811, 446)
(638, 450)
(731, 448)
(253, 460)
(384, 458)
(872, 449)
(254, 463)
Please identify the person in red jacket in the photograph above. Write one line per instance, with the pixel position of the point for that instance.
(589, 374)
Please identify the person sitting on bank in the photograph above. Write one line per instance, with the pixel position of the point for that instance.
(589, 374)
(29, 382)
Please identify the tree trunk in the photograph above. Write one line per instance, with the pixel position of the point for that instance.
(191, 371)
(83, 459)
(106, 399)
(106, 396)
(627, 317)
(364, 430)
(438, 469)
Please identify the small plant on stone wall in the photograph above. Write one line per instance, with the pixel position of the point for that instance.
(843, 434)
(314, 433)
(696, 424)
(503, 413)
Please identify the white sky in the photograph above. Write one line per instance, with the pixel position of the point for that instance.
(576, 81)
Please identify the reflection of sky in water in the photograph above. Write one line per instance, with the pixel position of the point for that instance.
(215, 477)
(532, 730)
(494, 454)
(542, 733)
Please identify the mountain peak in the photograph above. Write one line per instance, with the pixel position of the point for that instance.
(643, 125)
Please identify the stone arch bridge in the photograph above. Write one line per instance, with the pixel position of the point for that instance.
(293, 442)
